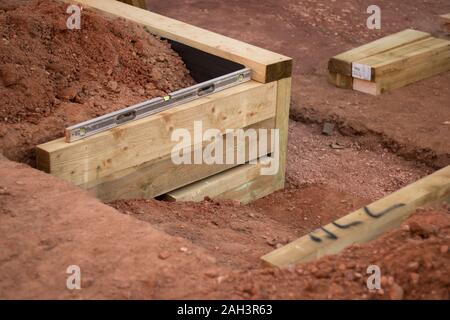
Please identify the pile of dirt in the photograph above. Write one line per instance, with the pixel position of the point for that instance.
(52, 77)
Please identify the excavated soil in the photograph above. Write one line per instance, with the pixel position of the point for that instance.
(52, 77)
(158, 250)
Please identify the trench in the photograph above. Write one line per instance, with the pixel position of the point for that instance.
(328, 176)
(322, 185)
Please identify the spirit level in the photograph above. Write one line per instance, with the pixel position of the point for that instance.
(147, 108)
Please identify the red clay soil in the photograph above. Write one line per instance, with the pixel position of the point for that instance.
(360, 166)
(413, 121)
(47, 225)
(52, 77)
(323, 185)
(414, 261)
(238, 235)
(151, 249)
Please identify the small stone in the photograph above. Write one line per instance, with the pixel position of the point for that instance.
(211, 273)
(121, 284)
(9, 75)
(86, 282)
(183, 249)
(4, 191)
(349, 275)
(386, 281)
(444, 249)
(396, 292)
(113, 85)
(413, 266)
(327, 128)
(342, 267)
(69, 93)
(380, 292)
(163, 255)
(337, 145)
(236, 203)
(248, 290)
(314, 269)
(414, 278)
(220, 279)
(20, 183)
(156, 74)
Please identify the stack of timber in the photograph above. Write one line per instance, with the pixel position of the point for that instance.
(390, 62)
(134, 160)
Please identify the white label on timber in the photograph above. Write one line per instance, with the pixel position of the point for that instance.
(361, 71)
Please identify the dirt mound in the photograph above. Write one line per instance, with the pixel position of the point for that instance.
(52, 77)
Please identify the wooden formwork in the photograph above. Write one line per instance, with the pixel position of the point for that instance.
(134, 160)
